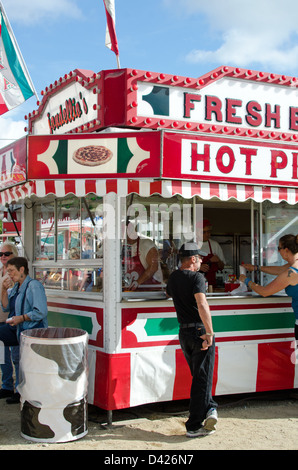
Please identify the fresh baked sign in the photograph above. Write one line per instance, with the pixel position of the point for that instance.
(129, 154)
(229, 160)
(227, 101)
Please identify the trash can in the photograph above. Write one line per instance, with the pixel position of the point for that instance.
(53, 382)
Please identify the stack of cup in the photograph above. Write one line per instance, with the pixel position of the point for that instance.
(242, 270)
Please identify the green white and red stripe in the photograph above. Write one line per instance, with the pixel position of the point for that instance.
(15, 83)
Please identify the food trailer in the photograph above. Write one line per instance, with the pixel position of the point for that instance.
(160, 152)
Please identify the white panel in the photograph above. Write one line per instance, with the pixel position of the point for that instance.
(237, 368)
(152, 376)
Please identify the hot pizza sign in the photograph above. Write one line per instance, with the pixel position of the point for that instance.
(229, 160)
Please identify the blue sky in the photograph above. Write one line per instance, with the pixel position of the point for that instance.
(183, 37)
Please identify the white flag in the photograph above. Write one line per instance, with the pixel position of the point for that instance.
(111, 38)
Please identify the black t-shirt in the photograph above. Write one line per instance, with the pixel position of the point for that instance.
(182, 287)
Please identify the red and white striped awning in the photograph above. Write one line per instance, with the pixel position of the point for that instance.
(166, 188)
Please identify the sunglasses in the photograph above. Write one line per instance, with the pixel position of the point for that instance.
(280, 248)
(5, 253)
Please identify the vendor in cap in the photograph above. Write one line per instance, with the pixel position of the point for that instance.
(186, 286)
(215, 260)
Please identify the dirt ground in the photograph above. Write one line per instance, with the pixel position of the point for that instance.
(251, 422)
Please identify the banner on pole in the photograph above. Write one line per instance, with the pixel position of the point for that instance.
(15, 82)
(111, 38)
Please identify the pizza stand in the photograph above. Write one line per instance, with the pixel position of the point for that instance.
(169, 150)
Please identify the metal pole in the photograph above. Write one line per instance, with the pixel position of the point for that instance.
(110, 417)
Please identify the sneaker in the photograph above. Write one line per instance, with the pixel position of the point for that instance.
(199, 432)
(5, 393)
(211, 420)
(15, 398)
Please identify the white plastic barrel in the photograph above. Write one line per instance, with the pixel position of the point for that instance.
(53, 382)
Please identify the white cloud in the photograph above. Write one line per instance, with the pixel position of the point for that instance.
(32, 11)
(10, 130)
(260, 33)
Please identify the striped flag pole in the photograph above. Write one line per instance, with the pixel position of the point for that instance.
(111, 38)
(14, 73)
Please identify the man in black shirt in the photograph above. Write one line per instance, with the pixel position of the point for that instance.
(187, 288)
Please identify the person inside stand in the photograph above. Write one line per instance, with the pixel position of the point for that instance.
(74, 274)
(169, 249)
(26, 302)
(215, 260)
(186, 286)
(169, 255)
(87, 253)
(7, 251)
(142, 270)
(286, 275)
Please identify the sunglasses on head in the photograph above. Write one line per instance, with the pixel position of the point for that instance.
(5, 253)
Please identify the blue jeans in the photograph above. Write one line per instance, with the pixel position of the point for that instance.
(201, 364)
(8, 335)
(10, 355)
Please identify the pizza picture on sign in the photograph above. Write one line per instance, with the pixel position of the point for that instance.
(92, 155)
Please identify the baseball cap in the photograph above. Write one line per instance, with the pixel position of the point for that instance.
(190, 249)
(207, 223)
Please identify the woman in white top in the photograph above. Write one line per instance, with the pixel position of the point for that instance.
(8, 250)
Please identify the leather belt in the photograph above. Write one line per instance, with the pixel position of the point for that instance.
(191, 325)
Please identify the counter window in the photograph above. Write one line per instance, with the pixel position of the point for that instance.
(45, 231)
(153, 231)
(68, 232)
(73, 279)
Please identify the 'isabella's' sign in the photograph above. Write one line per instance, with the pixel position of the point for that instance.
(71, 104)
